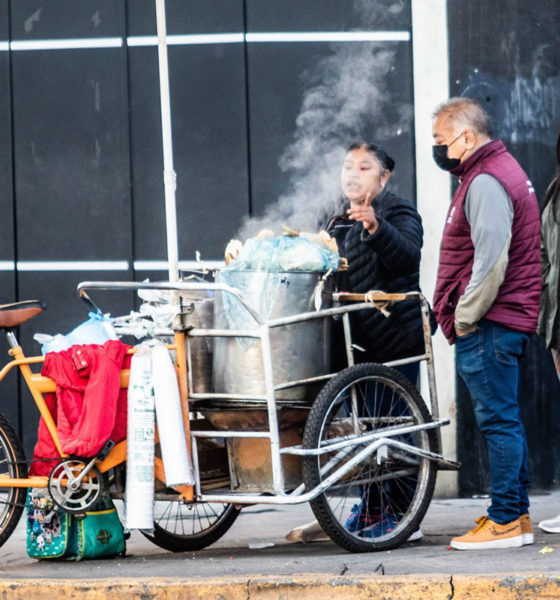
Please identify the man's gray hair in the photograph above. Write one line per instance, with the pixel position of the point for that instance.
(465, 113)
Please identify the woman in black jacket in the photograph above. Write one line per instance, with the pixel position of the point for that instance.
(381, 237)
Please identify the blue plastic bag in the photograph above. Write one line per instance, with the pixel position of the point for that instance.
(284, 253)
(96, 330)
(271, 256)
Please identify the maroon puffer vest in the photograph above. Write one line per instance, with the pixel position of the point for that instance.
(517, 303)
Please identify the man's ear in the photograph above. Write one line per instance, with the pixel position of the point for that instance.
(470, 139)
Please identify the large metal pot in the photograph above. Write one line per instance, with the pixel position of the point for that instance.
(199, 314)
(298, 351)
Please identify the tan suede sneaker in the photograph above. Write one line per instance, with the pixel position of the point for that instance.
(526, 529)
(488, 534)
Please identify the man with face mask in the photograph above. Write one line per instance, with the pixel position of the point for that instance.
(486, 302)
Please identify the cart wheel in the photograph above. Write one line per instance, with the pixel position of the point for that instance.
(380, 502)
(180, 527)
(12, 464)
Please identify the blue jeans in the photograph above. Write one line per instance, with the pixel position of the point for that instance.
(488, 363)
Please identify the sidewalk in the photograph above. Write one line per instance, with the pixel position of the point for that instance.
(254, 561)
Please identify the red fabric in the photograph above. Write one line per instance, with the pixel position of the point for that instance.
(89, 407)
(517, 303)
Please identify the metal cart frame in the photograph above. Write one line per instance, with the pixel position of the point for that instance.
(261, 332)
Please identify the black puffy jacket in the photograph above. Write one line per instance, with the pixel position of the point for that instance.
(388, 261)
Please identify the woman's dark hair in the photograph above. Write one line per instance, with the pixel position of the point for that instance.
(386, 161)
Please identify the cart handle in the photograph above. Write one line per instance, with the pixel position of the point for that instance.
(179, 286)
(375, 296)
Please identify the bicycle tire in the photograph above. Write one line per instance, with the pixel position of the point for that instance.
(13, 463)
(177, 531)
(410, 479)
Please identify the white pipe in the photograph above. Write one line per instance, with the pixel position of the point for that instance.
(169, 175)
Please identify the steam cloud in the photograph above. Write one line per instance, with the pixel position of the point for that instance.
(345, 97)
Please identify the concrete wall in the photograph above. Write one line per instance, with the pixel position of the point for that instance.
(263, 93)
(431, 67)
(507, 55)
(254, 113)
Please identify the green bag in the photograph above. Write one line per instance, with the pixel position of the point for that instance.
(98, 535)
(52, 533)
(48, 530)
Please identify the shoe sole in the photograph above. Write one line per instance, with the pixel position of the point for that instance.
(528, 538)
(549, 529)
(512, 542)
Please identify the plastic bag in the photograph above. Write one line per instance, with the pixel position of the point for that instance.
(284, 253)
(51, 343)
(169, 416)
(271, 256)
(96, 330)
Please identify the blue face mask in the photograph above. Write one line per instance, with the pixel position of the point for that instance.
(440, 156)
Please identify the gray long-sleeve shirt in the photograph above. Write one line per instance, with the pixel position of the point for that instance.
(489, 211)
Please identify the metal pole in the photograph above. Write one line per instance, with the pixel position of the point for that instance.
(273, 430)
(169, 175)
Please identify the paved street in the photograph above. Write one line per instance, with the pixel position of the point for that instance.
(255, 546)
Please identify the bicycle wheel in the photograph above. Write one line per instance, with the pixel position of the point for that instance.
(381, 501)
(12, 463)
(180, 527)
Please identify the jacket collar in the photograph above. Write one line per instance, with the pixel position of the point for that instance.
(492, 147)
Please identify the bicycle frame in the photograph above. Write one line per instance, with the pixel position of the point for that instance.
(39, 385)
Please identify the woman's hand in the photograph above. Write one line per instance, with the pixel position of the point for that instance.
(365, 214)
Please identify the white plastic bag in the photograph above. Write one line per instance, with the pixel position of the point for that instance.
(176, 462)
(96, 330)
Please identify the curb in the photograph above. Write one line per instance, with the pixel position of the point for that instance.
(312, 587)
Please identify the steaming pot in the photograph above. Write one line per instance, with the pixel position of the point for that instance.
(298, 351)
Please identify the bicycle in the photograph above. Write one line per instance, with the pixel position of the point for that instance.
(213, 519)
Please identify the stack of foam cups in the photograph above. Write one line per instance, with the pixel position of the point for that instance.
(139, 502)
(153, 385)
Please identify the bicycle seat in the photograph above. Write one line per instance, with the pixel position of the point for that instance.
(16, 313)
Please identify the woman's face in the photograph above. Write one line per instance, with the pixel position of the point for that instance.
(362, 174)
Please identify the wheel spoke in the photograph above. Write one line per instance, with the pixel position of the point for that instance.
(390, 490)
(179, 526)
(12, 464)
